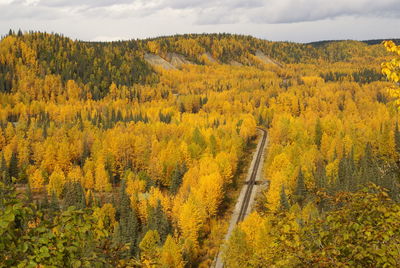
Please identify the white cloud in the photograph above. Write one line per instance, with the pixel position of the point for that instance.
(214, 11)
(103, 38)
(91, 19)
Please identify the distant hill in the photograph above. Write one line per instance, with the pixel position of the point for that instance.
(95, 65)
(368, 42)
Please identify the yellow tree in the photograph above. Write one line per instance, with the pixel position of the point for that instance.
(73, 90)
(391, 68)
(248, 127)
(191, 220)
(56, 182)
(171, 254)
(209, 193)
(101, 176)
(149, 251)
(223, 160)
(75, 174)
(88, 178)
(36, 180)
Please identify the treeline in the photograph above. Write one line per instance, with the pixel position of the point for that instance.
(94, 66)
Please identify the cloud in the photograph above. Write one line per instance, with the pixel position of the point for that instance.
(203, 12)
(103, 38)
(284, 11)
(88, 3)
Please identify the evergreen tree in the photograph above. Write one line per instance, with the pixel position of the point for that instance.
(198, 138)
(29, 193)
(320, 175)
(85, 151)
(213, 145)
(369, 171)
(149, 182)
(397, 142)
(5, 172)
(54, 204)
(346, 173)
(351, 172)
(13, 167)
(128, 220)
(318, 134)
(284, 202)
(45, 202)
(176, 179)
(90, 200)
(300, 192)
(157, 220)
(74, 195)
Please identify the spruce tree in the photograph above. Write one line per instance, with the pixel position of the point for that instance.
(157, 220)
(283, 201)
(300, 192)
(29, 193)
(318, 134)
(342, 181)
(54, 204)
(13, 167)
(397, 138)
(320, 175)
(45, 202)
(176, 178)
(198, 138)
(74, 195)
(128, 220)
(369, 169)
(5, 172)
(351, 172)
(397, 143)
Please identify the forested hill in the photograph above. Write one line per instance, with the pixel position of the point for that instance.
(96, 65)
(124, 154)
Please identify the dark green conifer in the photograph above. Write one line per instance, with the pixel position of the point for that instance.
(300, 192)
(318, 134)
(176, 179)
(283, 201)
(157, 220)
(5, 172)
(13, 167)
(74, 195)
(128, 220)
(397, 142)
(320, 175)
(213, 145)
(54, 204)
(29, 193)
(369, 171)
(198, 138)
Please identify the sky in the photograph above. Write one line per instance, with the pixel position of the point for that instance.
(277, 20)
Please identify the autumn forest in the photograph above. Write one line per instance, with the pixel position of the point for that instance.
(133, 153)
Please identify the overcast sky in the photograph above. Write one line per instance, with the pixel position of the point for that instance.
(292, 20)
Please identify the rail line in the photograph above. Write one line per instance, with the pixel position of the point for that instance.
(245, 197)
(252, 179)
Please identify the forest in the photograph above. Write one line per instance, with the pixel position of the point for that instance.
(107, 160)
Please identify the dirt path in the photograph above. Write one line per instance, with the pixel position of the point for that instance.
(247, 194)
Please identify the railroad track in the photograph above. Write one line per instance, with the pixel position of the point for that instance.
(245, 197)
(252, 179)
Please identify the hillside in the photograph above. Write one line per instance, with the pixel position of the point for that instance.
(97, 65)
(132, 153)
